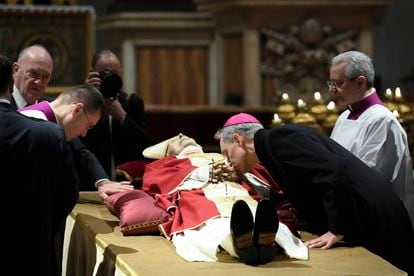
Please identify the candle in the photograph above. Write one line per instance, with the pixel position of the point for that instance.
(317, 96)
(276, 121)
(331, 105)
(398, 93)
(388, 94)
(301, 103)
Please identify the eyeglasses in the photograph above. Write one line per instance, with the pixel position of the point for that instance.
(36, 75)
(334, 84)
(87, 118)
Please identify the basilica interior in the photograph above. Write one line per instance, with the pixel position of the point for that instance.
(197, 62)
(194, 62)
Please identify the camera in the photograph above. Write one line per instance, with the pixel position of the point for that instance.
(111, 84)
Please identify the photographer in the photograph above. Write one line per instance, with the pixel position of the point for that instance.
(121, 135)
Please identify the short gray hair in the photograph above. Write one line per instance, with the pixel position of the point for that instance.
(358, 64)
(247, 130)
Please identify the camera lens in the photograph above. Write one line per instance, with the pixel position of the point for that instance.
(111, 84)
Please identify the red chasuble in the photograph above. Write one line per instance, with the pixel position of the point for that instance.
(189, 209)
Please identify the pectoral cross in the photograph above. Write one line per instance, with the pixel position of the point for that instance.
(212, 179)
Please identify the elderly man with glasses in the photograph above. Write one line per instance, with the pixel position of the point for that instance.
(367, 128)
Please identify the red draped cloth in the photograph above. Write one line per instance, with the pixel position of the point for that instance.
(189, 209)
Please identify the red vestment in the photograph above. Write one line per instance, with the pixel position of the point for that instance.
(189, 209)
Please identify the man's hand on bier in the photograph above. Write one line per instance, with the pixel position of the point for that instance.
(325, 241)
(111, 187)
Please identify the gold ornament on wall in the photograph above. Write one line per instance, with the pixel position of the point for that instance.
(295, 58)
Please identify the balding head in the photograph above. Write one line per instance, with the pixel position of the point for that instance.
(106, 59)
(32, 72)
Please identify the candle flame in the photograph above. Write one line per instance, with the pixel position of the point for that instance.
(388, 93)
(398, 93)
(301, 103)
(330, 105)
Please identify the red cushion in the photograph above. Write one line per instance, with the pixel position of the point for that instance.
(137, 211)
(134, 168)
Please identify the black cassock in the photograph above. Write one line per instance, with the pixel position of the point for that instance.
(39, 188)
(334, 191)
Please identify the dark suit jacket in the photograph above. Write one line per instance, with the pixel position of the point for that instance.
(87, 165)
(335, 191)
(39, 188)
(129, 138)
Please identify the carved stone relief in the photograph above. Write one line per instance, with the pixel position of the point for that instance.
(64, 30)
(295, 60)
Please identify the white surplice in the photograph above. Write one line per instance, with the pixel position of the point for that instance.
(379, 140)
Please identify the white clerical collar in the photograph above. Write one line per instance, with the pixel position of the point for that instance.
(18, 98)
(4, 101)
